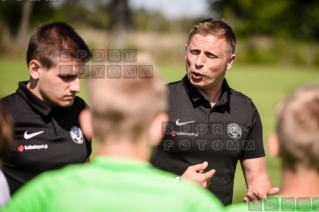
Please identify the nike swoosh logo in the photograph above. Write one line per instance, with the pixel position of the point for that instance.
(28, 136)
(183, 123)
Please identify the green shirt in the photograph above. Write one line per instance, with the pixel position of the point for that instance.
(112, 185)
(277, 203)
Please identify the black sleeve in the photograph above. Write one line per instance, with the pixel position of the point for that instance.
(253, 147)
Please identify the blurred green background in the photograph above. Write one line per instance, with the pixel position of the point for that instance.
(277, 50)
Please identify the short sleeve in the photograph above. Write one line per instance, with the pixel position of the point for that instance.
(253, 147)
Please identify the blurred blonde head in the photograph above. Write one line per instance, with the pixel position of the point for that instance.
(298, 128)
(124, 108)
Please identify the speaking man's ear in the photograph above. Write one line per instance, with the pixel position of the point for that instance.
(231, 61)
(185, 50)
(85, 119)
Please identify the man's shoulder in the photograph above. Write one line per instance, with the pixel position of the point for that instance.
(238, 99)
(9, 99)
(176, 85)
(57, 179)
(12, 103)
(38, 193)
(71, 175)
(239, 95)
(176, 89)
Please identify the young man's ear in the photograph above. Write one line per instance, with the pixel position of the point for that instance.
(85, 119)
(34, 67)
(156, 130)
(274, 146)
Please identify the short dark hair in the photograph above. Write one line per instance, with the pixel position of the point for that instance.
(215, 27)
(49, 40)
(6, 133)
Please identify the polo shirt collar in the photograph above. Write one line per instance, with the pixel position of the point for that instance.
(32, 99)
(195, 95)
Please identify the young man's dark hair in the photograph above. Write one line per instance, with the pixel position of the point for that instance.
(56, 40)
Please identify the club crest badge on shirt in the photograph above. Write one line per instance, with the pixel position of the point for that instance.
(234, 131)
(76, 135)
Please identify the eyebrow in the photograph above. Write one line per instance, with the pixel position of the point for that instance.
(205, 52)
(67, 75)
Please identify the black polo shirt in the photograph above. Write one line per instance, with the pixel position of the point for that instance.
(45, 138)
(221, 135)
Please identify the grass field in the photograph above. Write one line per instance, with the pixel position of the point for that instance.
(264, 84)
